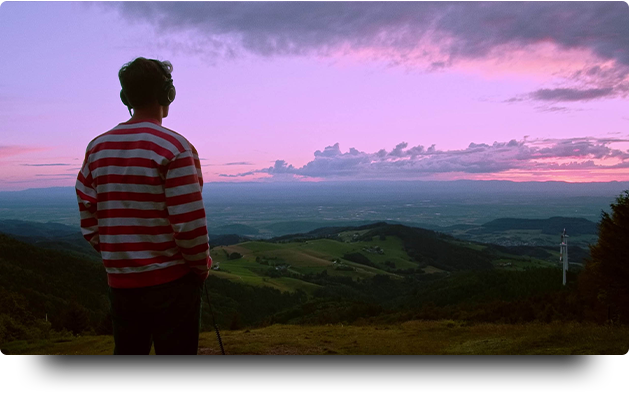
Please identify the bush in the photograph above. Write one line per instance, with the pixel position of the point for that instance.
(11, 329)
(358, 258)
(76, 318)
(235, 256)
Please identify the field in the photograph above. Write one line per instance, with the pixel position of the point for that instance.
(409, 338)
(308, 257)
(260, 259)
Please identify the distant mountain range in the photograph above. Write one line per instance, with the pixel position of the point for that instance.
(374, 189)
(460, 208)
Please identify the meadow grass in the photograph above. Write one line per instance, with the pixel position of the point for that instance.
(444, 337)
(306, 257)
(312, 256)
(469, 244)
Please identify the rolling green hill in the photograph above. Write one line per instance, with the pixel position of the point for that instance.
(46, 289)
(328, 275)
(362, 252)
(48, 235)
(68, 289)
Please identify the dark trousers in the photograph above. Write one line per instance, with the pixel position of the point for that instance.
(166, 315)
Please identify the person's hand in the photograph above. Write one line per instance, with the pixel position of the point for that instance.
(202, 271)
(202, 275)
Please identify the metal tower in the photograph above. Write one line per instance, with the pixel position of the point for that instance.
(564, 258)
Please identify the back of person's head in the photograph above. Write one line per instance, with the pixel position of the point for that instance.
(142, 79)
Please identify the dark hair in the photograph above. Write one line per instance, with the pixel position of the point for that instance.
(141, 79)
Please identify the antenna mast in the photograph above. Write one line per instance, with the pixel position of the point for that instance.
(564, 258)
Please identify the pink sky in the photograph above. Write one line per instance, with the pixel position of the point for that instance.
(331, 95)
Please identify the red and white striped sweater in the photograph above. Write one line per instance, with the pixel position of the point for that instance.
(140, 200)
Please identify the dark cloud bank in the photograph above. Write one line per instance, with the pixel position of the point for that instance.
(472, 29)
(280, 28)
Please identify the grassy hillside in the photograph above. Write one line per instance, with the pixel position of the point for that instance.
(390, 273)
(36, 283)
(44, 275)
(48, 235)
(279, 264)
(359, 253)
(45, 289)
(408, 338)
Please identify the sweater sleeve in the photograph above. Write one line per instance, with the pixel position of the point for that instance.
(86, 196)
(183, 191)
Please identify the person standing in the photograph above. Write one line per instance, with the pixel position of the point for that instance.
(140, 201)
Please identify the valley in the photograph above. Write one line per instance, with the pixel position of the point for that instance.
(302, 266)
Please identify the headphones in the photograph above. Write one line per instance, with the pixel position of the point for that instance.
(166, 93)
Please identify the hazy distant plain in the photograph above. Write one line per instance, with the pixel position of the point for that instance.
(272, 209)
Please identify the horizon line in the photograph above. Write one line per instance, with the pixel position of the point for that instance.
(298, 182)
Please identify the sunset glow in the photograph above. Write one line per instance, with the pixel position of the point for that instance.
(328, 91)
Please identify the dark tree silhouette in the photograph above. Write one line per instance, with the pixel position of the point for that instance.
(76, 318)
(605, 280)
(235, 256)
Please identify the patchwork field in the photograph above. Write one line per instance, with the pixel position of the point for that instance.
(309, 257)
(259, 259)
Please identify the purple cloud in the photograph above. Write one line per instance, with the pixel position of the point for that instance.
(45, 164)
(398, 150)
(477, 158)
(474, 28)
(401, 32)
(571, 95)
